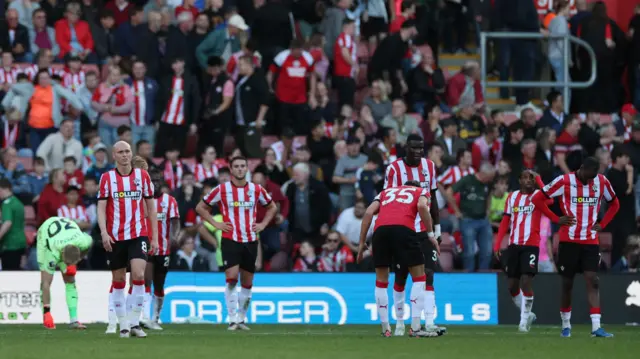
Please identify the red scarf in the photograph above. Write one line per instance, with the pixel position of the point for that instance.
(10, 135)
(173, 179)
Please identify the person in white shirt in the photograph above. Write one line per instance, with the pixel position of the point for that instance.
(59, 145)
(349, 222)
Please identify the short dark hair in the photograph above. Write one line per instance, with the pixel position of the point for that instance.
(238, 158)
(408, 23)
(135, 10)
(187, 172)
(347, 21)
(122, 129)
(490, 128)
(22, 76)
(296, 44)
(502, 178)
(38, 161)
(91, 73)
(140, 143)
(215, 61)
(461, 153)
(412, 183)
(591, 163)
(210, 182)
(73, 188)
(71, 159)
(106, 13)
(553, 96)
(414, 137)
(5, 184)
(224, 170)
(91, 178)
(618, 152)
(406, 4)
(260, 171)
(516, 126)
(386, 132)
(496, 112)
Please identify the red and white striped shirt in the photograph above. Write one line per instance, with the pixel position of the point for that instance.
(73, 81)
(238, 206)
(139, 112)
(192, 218)
(388, 156)
(171, 176)
(627, 133)
(78, 213)
(10, 134)
(525, 219)
(341, 67)
(454, 174)
(124, 195)
(202, 172)
(232, 64)
(32, 71)
(167, 208)
(581, 201)
(174, 112)
(398, 172)
(9, 75)
(336, 261)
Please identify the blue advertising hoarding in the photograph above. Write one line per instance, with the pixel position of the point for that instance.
(318, 298)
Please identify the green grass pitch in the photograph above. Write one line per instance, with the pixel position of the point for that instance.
(202, 341)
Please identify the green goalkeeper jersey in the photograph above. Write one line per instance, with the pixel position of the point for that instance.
(59, 232)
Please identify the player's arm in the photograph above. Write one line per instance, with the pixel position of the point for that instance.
(502, 231)
(174, 233)
(614, 205)
(425, 216)
(371, 211)
(540, 201)
(147, 193)
(389, 176)
(435, 214)
(272, 209)
(203, 208)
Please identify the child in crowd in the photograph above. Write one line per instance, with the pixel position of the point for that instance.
(38, 179)
(90, 198)
(498, 199)
(307, 260)
(73, 210)
(369, 179)
(72, 174)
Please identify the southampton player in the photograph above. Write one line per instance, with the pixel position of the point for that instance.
(522, 219)
(237, 200)
(579, 250)
(416, 168)
(61, 244)
(158, 263)
(395, 240)
(124, 198)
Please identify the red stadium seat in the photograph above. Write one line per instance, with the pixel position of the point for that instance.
(446, 245)
(29, 216)
(30, 233)
(363, 51)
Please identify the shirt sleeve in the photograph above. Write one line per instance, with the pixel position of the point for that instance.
(60, 214)
(389, 177)
(339, 171)
(358, 177)
(228, 89)
(7, 213)
(377, 197)
(147, 185)
(213, 197)
(263, 196)
(555, 187)
(173, 208)
(607, 190)
(103, 192)
(447, 177)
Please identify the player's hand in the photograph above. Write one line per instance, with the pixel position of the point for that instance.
(436, 245)
(596, 227)
(153, 248)
(567, 221)
(258, 227)
(361, 250)
(223, 226)
(106, 242)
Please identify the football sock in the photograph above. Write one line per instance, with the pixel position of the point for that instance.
(382, 303)
(517, 299)
(113, 318)
(72, 301)
(526, 308)
(119, 304)
(595, 318)
(429, 305)
(416, 297)
(565, 315)
(231, 299)
(398, 302)
(244, 299)
(157, 307)
(137, 302)
(146, 313)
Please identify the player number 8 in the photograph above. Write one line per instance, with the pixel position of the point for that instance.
(166, 262)
(404, 195)
(144, 247)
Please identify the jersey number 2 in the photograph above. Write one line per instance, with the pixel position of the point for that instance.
(55, 227)
(404, 195)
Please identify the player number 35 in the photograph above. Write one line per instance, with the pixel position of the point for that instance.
(404, 195)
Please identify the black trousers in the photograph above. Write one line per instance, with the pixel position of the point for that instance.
(621, 229)
(346, 87)
(212, 133)
(294, 116)
(169, 136)
(11, 259)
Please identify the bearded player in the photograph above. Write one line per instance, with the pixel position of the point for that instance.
(520, 260)
(579, 250)
(413, 167)
(395, 240)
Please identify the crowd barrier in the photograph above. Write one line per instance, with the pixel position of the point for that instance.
(469, 299)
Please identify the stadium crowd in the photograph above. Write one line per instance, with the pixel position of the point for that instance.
(321, 95)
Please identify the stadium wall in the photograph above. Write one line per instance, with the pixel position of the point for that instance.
(469, 299)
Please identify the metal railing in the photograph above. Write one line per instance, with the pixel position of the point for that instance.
(566, 85)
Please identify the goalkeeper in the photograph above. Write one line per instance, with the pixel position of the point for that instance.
(61, 244)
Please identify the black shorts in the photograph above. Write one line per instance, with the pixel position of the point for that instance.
(160, 264)
(242, 254)
(520, 260)
(574, 258)
(124, 251)
(396, 244)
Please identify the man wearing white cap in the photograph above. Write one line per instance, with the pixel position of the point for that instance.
(223, 42)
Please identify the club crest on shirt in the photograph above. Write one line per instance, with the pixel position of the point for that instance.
(137, 182)
(594, 188)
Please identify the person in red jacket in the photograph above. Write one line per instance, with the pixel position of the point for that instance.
(120, 9)
(52, 197)
(469, 76)
(73, 176)
(270, 236)
(74, 36)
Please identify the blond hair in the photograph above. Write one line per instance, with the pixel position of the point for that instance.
(139, 162)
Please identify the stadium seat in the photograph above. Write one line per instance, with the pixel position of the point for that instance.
(29, 216)
(446, 245)
(363, 51)
(30, 233)
(361, 80)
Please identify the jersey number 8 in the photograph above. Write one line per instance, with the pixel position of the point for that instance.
(55, 227)
(404, 195)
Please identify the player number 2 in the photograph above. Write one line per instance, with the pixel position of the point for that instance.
(166, 262)
(403, 196)
(532, 260)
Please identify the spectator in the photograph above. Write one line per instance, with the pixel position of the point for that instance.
(309, 205)
(345, 172)
(101, 164)
(530, 123)
(378, 101)
(331, 24)
(127, 34)
(200, 29)
(187, 6)
(217, 120)
(270, 236)
(426, 85)
(59, 145)
(13, 170)
(44, 60)
(487, 148)
(325, 109)
(374, 21)
(55, 11)
(188, 194)
(74, 210)
(388, 147)
(8, 73)
(334, 256)
(630, 260)
(90, 11)
(72, 75)
(144, 150)
(13, 243)
(273, 168)
(623, 127)
(430, 127)
(369, 179)
(621, 176)
(178, 46)
(526, 161)
(345, 63)
(73, 35)
(474, 225)
(303, 155)
(14, 37)
(173, 168)
(589, 134)
(26, 9)
(52, 197)
(37, 179)
(292, 68)
(408, 11)
(14, 134)
(113, 100)
(367, 123)
(121, 10)
(471, 125)
(568, 154)
(455, 20)
(85, 94)
(223, 42)
(41, 36)
(306, 259)
(546, 142)
(464, 88)
(147, 50)
(450, 142)
(499, 195)
(145, 91)
(633, 33)
(207, 168)
(104, 36)
(386, 62)
(248, 49)
(559, 26)
(403, 124)
(187, 259)
(349, 223)
(251, 106)
(214, 9)
(554, 116)
(72, 174)
(285, 148)
(452, 175)
(271, 28)
(156, 6)
(435, 153)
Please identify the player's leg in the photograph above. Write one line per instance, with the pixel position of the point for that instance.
(112, 327)
(382, 299)
(382, 259)
(590, 265)
(247, 270)
(137, 252)
(160, 270)
(568, 262)
(231, 256)
(511, 261)
(45, 296)
(69, 277)
(399, 296)
(430, 267)
(528, 269)
(146, 304)
(411, 256)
